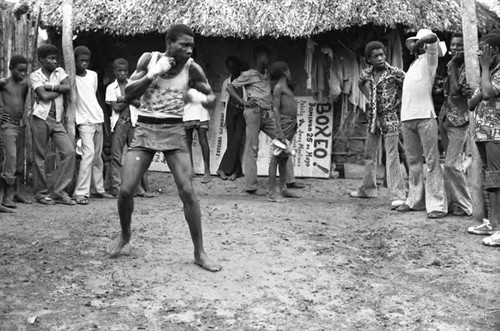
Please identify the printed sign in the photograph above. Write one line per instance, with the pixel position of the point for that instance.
(312, 143)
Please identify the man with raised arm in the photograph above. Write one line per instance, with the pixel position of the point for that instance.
(161, 80)
(420, 128)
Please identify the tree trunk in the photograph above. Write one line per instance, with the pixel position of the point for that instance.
(69, 65)
(469, 28)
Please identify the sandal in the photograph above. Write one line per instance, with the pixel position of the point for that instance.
(64, 199)
(81, 200)
(150, 195)
(46, 201)
(9, 204)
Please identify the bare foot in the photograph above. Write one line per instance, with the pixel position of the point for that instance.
(206, 263)
(259, 192)
(233, 177)
(222, 175)
(273, 197)
(118, 243)
(289, 194)
(207, 178)
(19, 198)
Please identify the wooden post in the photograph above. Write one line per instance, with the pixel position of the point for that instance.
(469, 28)
(31, 52)
(69, 65)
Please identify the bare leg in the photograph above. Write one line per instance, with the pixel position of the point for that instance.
(273, 165)
(233, 176)
(205, 151)
(181, 170)
(222, 175)
(135, 165)
(283, 190)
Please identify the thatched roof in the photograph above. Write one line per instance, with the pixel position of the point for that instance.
(258, 18)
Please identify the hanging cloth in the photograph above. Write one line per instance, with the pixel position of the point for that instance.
(308, 65)
(394, 49)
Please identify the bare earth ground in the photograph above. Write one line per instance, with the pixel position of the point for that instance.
(324, 262)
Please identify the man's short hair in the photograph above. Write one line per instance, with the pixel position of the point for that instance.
(260, 50)
(457, 35)
(492, 39)
(17, 59)
(120, 62)
(278, 69)
(373, 45)
(82, 50)
(46, 50)
(178, 30)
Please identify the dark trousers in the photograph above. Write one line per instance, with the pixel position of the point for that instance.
(42, 131)
(122, 136)
(235, 127)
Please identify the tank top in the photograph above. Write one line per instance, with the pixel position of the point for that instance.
(164, 97)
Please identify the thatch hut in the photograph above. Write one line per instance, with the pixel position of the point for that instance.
(226, 27)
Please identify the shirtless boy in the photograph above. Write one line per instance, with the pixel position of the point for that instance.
(13, 91)
(161, 80)
(285, 115)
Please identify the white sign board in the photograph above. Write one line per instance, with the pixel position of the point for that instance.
(312, 143)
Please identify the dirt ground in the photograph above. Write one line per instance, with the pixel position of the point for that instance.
(324, 262)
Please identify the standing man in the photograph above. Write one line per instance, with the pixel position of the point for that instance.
(258, 113)
(486, 103)
(230, 165)
(420, 128)
(89, 120)
(382, 83)
(50, 82)
(454, 120)
(259, 116)
(161, 80)
(13, 91)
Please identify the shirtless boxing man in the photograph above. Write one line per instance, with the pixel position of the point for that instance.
(161, 80)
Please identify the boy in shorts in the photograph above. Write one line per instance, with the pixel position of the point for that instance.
(13, 91)
(196, 117)
(285, 116)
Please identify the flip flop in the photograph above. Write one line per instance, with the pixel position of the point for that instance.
(148, 195)
(9, 204)
(46, 201)
(81, 200)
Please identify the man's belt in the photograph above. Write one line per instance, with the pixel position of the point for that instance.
(125, 119)
(155, 120)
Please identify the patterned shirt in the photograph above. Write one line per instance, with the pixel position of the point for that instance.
(164, 98)
(382, 111)
(41, 109)
(455, 108)
(487, 114)
(257, 86)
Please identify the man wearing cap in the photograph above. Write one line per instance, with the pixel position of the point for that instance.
(420, 128)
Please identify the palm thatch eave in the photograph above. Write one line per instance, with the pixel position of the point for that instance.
(259, 18)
